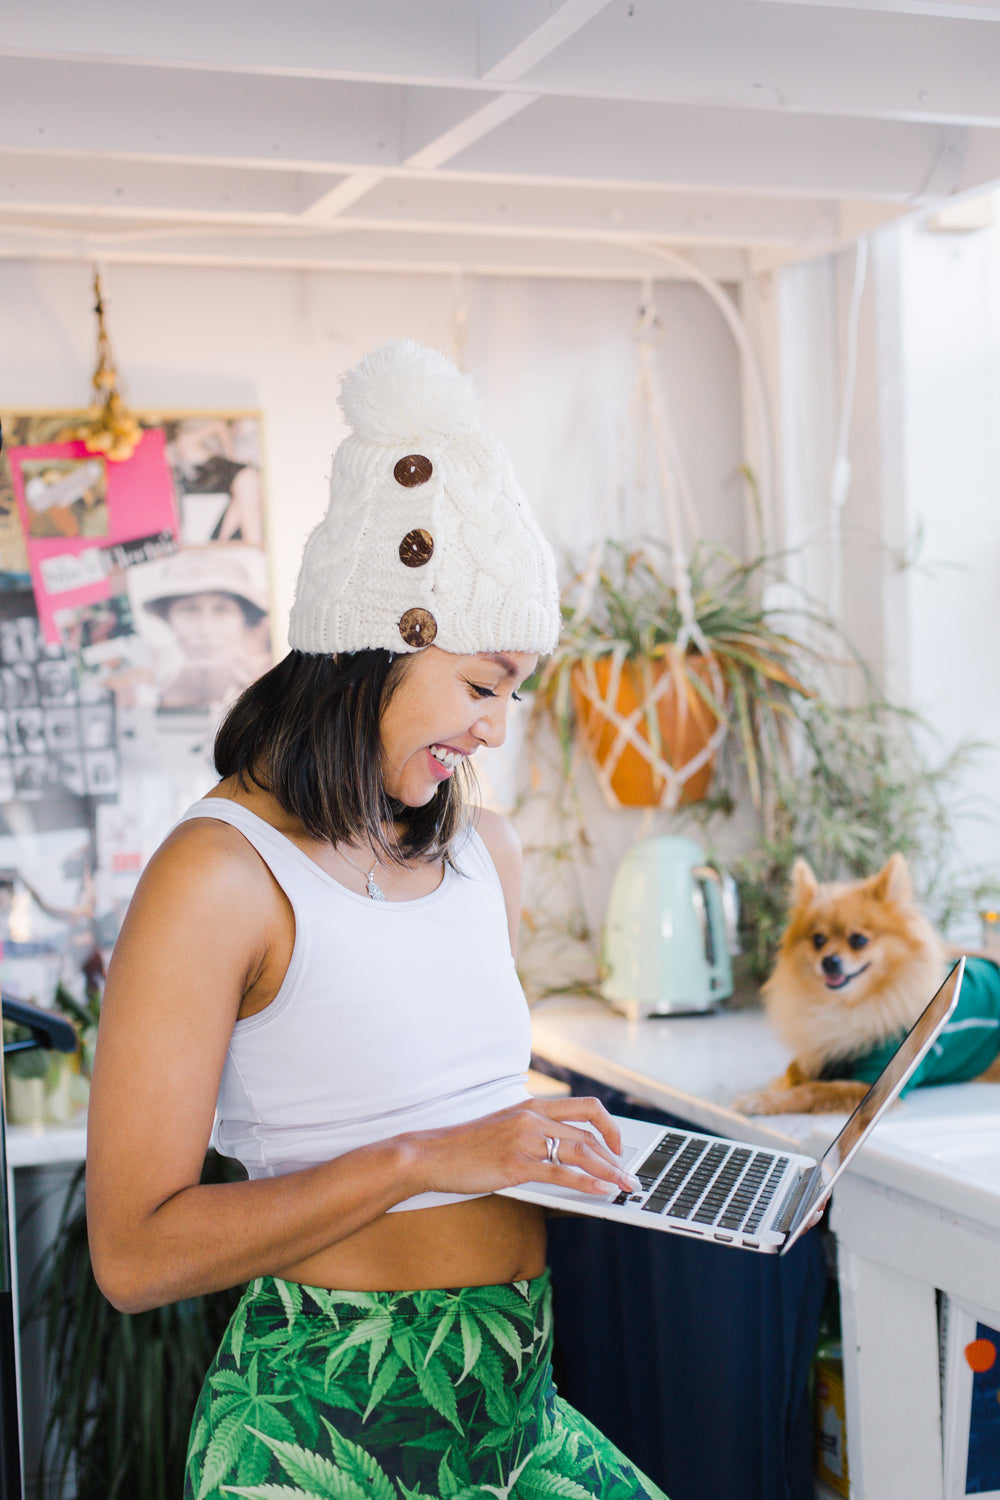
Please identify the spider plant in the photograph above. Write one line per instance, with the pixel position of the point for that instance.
(628, 605)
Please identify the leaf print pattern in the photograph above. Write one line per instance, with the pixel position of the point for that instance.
(429, 1395)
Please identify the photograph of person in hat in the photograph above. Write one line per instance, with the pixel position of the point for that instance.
(213, 603)
(317, 973)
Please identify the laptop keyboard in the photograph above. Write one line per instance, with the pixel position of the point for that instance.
(707, 1181)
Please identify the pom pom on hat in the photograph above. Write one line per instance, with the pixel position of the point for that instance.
(428, 538)
(401, 392)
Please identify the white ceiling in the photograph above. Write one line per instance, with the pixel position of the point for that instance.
(571, 137)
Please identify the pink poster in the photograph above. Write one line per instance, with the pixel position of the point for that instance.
(76, 507)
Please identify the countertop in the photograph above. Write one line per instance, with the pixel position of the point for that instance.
(940, 1144)
(44, 1145)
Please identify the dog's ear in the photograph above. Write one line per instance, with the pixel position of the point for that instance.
(892, 883)
(804, 883)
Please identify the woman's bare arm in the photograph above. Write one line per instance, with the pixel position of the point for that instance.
(194, 943)
(504, 848)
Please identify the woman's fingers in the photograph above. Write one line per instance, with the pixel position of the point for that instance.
(575, 1156)
(587, 1111)
(571, 1142)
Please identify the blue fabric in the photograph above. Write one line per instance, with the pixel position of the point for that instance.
(967, 1045)
(692, 1358)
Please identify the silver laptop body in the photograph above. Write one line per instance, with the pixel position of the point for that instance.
(733, 1192)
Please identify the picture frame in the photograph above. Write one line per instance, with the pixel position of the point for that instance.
(970, 1400)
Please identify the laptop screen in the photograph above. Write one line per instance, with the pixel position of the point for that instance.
(886, 1087)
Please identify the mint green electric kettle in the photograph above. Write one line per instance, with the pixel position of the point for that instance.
(666, 939)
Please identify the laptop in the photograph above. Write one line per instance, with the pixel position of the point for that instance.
(733, 1192)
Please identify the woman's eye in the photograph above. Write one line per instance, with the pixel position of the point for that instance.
(488, 692)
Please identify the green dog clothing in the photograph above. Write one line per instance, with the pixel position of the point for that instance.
(966, 1047)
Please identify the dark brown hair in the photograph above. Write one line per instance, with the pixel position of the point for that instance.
(309, 732)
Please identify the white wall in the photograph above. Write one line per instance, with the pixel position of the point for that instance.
(555, 362)
(950, 333)
(910, 567)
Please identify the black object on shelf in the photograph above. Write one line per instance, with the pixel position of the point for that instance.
(55, 1035)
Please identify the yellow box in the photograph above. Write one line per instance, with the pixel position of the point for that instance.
(830, 1426)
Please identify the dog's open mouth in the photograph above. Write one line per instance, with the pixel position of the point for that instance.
(841, 981)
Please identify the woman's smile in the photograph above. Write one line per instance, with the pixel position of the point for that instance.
(447, 759)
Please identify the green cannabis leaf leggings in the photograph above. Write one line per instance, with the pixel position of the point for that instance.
(318, 1395)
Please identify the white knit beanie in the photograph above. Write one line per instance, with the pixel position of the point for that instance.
(428, 538)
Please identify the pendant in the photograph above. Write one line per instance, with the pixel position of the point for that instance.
(373, 890)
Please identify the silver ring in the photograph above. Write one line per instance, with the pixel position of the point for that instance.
(551, 1151)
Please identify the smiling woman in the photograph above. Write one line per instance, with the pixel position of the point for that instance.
(317, 973)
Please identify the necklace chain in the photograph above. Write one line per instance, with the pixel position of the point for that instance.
(374, 891)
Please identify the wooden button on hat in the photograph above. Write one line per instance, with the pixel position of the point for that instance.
(418, 628)
(416, 548)
(412, 470)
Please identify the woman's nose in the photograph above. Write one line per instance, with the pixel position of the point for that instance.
(491, 726)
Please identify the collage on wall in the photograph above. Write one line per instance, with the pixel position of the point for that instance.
(134, 607)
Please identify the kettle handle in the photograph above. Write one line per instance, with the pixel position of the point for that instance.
(712, 914)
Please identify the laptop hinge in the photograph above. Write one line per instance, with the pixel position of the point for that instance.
(797, 1193)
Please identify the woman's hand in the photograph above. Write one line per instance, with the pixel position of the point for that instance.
(513, 1146)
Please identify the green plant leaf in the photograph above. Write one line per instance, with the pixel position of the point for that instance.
(383, 1383)
(472, 1343)
(315, 1473)
(360, 1466)
(222, 1453)
(438, 1391)
(503, 1333)
(278, 1492)
(541, 1481)
(442, 1331)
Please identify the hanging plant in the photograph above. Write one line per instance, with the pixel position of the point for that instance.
(654, 694)
(650, 735)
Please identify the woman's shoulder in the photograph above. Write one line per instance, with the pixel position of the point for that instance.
(503, 848)
(207, 852)
(499, 836)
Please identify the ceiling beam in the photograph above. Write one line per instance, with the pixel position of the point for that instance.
(565, 140)
(389, 40)
(32, 184)
(354, 250)
(517, 35)
(790, 58)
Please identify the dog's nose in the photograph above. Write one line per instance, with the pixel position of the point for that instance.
(832, 965)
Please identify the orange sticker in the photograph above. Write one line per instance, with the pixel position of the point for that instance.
(981, 1355)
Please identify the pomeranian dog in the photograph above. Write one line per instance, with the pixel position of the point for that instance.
(858, 963)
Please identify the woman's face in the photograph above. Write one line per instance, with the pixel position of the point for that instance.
(445, 707)
(207, 626)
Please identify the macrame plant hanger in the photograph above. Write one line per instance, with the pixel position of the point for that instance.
(639, 727)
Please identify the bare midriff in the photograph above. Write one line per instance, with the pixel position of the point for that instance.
(479, 1242)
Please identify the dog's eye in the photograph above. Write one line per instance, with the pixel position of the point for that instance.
(819, 939)
(857, 940)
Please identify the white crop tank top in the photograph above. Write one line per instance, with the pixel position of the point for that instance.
(393, 1015)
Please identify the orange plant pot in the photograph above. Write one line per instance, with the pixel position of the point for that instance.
(686, 724)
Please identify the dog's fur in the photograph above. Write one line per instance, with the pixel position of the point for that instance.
(858, 963)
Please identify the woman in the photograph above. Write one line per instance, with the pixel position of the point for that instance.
(320, 956)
